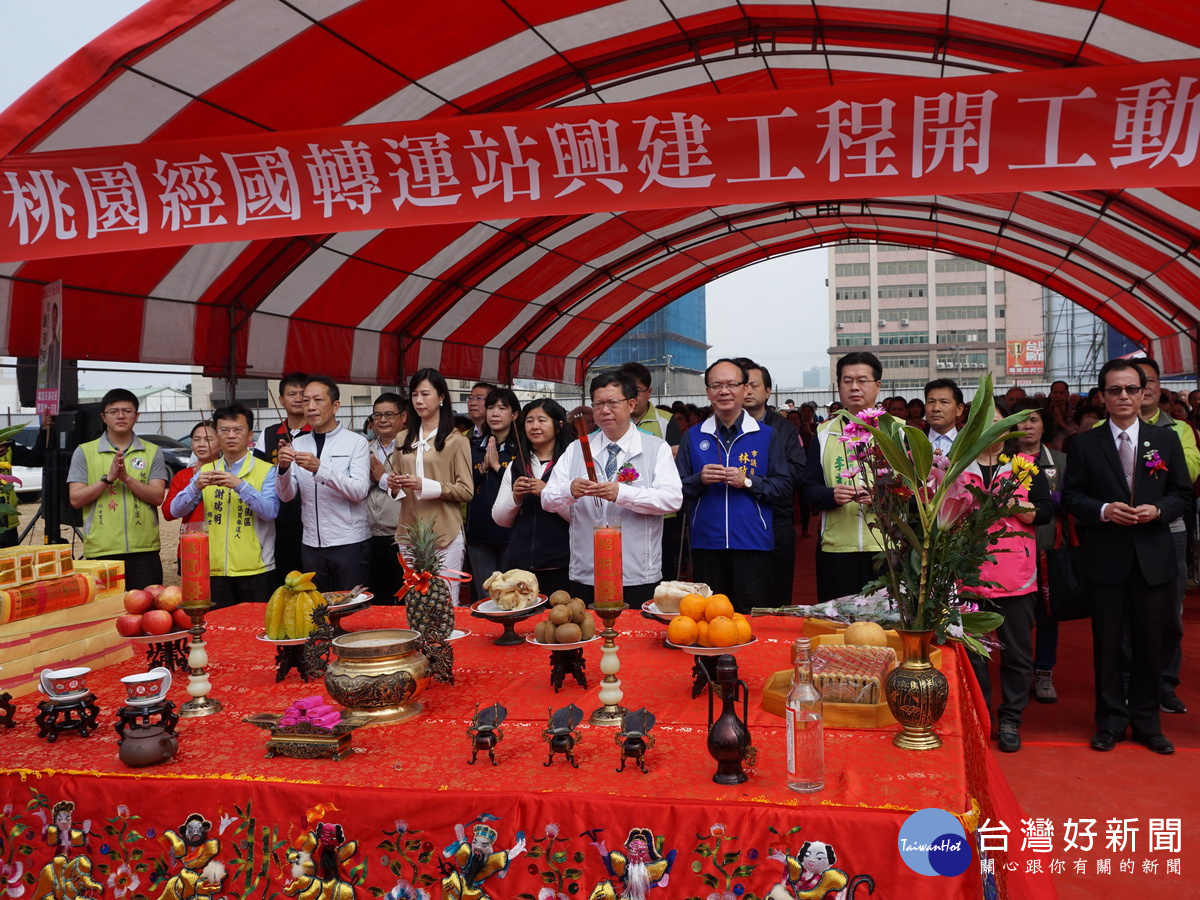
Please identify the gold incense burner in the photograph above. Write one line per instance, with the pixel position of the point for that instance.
(376, 675)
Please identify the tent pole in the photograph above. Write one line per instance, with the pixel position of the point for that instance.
(231, 370)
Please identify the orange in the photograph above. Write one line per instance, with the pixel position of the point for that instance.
(723, 632)
(702, 639)
(683, 631)
(717, 605)
(744, 631)
(692, 606)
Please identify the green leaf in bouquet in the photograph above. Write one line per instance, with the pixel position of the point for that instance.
(981, 621)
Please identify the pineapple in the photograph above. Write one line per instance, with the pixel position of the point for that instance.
(432, 612)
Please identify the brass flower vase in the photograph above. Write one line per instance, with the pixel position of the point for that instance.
(916, 693)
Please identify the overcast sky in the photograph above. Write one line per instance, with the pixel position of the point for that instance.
(776, 311)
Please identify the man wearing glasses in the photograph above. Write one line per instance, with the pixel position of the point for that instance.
(733, 474)
(848, 545)
(1152, 414)
(636, 486)
(383, 510)
(240, 507)
(477, 408)
(1125, 481)
(119, 481)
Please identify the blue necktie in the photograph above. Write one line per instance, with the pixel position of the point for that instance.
(610, 467)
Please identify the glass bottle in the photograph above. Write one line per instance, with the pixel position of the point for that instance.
(805, 725)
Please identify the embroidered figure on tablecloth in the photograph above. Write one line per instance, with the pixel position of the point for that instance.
(639, 869)
(810, 875)
(317, 867)
(202, 872)
(69, 874)
(478, 860)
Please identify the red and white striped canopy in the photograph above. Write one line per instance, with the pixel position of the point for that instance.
(543, 297)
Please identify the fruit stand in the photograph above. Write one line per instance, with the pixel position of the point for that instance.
(401, 789)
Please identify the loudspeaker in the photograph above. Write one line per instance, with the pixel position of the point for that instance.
(68, 396)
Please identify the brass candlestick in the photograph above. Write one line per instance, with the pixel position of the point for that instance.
(198, 684)
(612, 712)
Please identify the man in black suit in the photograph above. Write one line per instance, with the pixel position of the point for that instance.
(1125, 481)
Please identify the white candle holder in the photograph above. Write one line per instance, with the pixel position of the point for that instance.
(612, 712)
(198, 684)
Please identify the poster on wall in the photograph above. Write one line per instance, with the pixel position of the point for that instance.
(1027, 357)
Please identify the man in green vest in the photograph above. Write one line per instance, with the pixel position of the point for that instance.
(846, 553)
(119, 481)
(240, 507)
(14, 454)
(652, 420)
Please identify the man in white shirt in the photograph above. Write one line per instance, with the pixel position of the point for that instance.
(329, 468)
(943, 406)
(637, 485)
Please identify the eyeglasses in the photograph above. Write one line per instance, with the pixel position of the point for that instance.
(375, 417)
(861, 382)
(228, 431)
(608, 404)
(719, 386)
(120, 413)
(643, 390)
(1117, 389)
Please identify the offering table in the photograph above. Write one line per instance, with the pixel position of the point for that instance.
(403, 788)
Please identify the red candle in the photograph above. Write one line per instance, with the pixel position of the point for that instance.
(606, 541)
(193, 559)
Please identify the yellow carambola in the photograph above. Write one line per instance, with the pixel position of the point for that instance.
(289, 611)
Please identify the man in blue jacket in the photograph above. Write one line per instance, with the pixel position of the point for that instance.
(732, 476)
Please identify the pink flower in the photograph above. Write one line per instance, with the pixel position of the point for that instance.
(123, 881)
(10, 879)
(956, 502)
(552, 830)
(873, 415)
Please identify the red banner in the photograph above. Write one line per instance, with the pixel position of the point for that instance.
(1070, 129)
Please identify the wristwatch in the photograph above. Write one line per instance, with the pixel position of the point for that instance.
(747, 483)
(106, 479)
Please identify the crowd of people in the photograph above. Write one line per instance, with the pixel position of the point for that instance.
(711, 494)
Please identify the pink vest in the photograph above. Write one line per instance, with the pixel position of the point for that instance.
(1015, 568)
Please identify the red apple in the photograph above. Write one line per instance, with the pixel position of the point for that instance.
(169, 599)
(154, 590)
(138, 602)
(182, 622)
(129, 625)
(157, 621)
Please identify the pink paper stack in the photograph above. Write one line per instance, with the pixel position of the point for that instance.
(314, 710)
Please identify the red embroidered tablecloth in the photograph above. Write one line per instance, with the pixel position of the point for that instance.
(415, 773)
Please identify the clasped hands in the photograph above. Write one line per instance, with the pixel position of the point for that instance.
(584, 487)
(217, 479)
(849, 493)
(403, 483)
(526, 485)
(1123, 514)
(288, 454)
(716, 474)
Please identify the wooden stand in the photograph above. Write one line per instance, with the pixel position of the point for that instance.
(144, 717)
(564, 663)
(304, 741)
(55, 717)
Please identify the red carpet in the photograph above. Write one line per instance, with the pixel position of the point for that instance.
(1057, 776)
